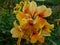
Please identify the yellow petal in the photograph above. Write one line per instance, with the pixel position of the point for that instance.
(20, 16)
(45, 33)
(44, 11)
(48, 12)
(32, 7)
(41, 39)
(16, 26)
(49, 26)
(17, 5)
(40, 33)
(15, 33)
(26, 7)
(41, 9)
(48, 30)
(17, 8)
(52, 26)
(34, 39)
(39, 22)
(23, 22)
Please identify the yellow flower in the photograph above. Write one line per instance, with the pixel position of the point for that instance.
(41, 39)
(23, 22)
(32, 24)
(15, 31)
(39, 22)
(17, 8)
(46, 30)
(20, 16)
(36, 38)
(48, 12)
(29, 7)
(32, 7)
(26, 7)
(43, 11)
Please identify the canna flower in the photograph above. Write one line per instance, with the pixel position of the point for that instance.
(33, 9)
(17, 8)
(44, 30)
(35, 38)
(43, 11)
(32, 25)
(39, 22)
(26, 7)
(22, 18)
(47, 29)
(30, 7)
(15, 31)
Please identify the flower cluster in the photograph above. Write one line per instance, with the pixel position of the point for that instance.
(33, 27)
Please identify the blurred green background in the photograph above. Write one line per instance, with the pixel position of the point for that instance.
(7, 17)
